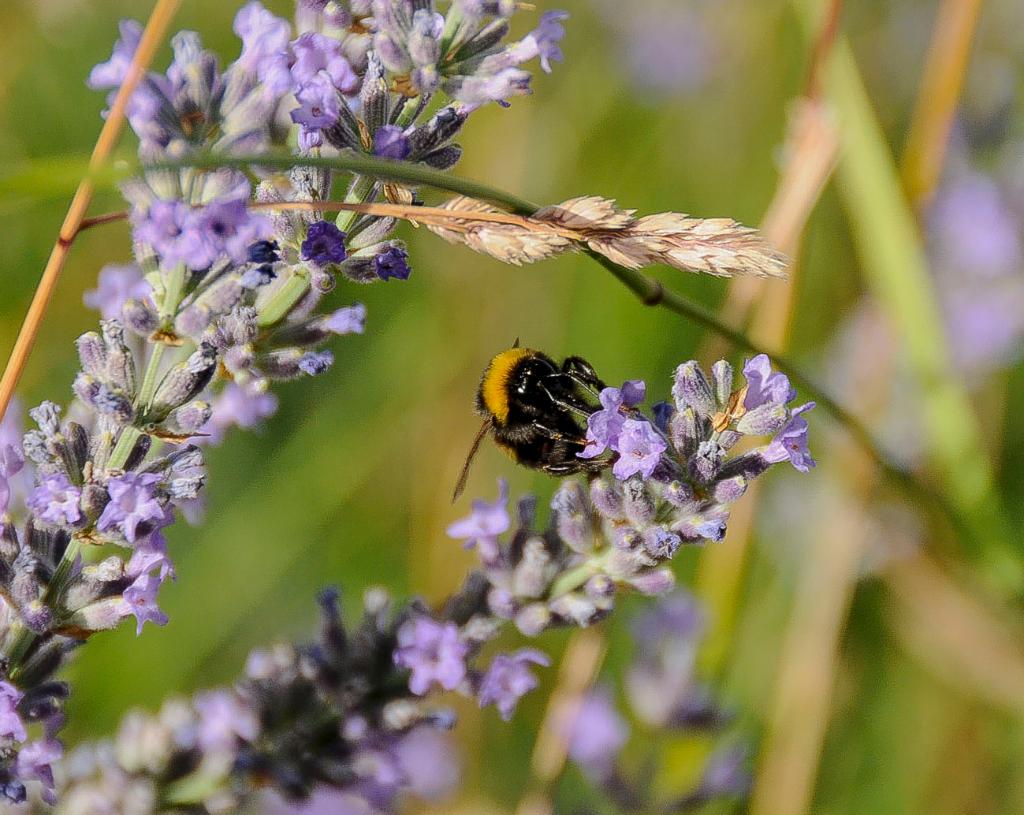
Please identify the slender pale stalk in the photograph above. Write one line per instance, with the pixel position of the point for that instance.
(941, 85)
(152, 37)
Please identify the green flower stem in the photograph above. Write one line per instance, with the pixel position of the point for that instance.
(648, 291)
(281, 302)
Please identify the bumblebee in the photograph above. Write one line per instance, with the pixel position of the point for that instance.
(536, 409)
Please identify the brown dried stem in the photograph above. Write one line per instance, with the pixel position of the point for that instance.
(156, 27)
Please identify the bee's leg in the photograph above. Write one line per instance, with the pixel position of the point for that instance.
(568, 402)
(573, 467)
(557, 435)
(583, 374)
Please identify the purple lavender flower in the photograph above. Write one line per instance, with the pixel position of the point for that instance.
(765, 386)
(474, 91)
(594, 732)
(55, 500)
(11, 725)
(175, 234)
(393, 262)
(509, 678)
(150, 554)
(238, 406)
(484, 524)
(604, 426)
(669, 47)
(264, 36)
(139, 601)
(725, 774)
(390, 141)
(133, 502)
(35, 762)
(791, 442)
(318, 109)
(316, 56)
(347, 320)
(230, 228)
(324, 244)
(639, 447)
(223, 719)
(111, 74)
(434, 652)
(117, 283)
(542, 41)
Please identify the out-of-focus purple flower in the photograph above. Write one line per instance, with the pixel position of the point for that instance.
(139, 601)
(238, 405)
(117, 283)
(264, 251)
(323, 801)
(429, 761)
(791, 442)
(509, 678)
(35, 761)
(474, 91)
(263, 34)
(973, 231)
(324, 244)
(55, 500)
(390, 141)
(315, 56)
(315, 363)
(133, 502)
(594, 732)
(231, 228)
(725, 774)
(484, 524)
(223, 719)
(542, 41)
(175, 234)
(433, 651)
(666, 48)
(674, 618)
(765, 386)
(393, 262)
(605, 425)
(111, 74)
(11, 725)
(639, 447)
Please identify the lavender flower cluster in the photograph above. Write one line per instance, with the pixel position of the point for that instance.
(334, 714)
(665, 695)
(225, 297)
(674, 478)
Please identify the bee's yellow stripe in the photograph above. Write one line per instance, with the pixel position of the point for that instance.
(494, 385)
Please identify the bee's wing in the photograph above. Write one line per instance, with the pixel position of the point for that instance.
(460, 485)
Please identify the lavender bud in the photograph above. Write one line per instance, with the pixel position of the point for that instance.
(626, 537)
(706, 462)
(679, 494)
(622, 564)
(374, 93)
(654, 582)
(9, 545)
(36, 615)
(660, 543)
(607, 499)
(763, 420)
(576, 607)
(120, 361)
(47, 416)
(572, 516)
(729, 490)
(94, 499)
(502, 603)
(638, 502)
(600, 588)
(138, 452)
(728, 438)
(92, 353)
(532, 575)
(691, 389)
(684, 432)
(443, 158)
(533, 619)
(86, 387)
(113, 403)
(189, 418)
(140, 318)
(722, 375)
(185, 380)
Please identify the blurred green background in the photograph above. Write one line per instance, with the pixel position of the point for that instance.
(350, 482)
